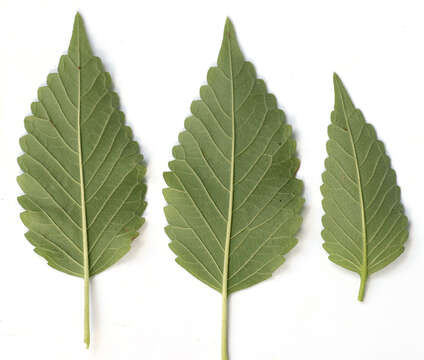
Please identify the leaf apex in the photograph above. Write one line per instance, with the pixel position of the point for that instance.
(229, 28)
(78, 17)
(228, 22)
(79, 48)
(337, 81)
(78, 23)
(342, 98)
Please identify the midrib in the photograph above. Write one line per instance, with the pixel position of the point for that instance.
(231, 191)
(229, 221)
(83, 209)
(364, 269)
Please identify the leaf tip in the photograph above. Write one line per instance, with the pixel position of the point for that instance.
(229, 27)
(79, 48)
(342, 98)
(338, 85)
(336, 79)
(77, 20)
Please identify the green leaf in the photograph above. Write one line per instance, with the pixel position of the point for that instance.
(364, 223)
(83, 173)
(233, 198)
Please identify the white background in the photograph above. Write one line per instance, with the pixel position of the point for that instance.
(158, 53)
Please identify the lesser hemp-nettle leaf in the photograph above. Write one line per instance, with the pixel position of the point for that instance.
(82, 171)
(233, 197)
(364, 223)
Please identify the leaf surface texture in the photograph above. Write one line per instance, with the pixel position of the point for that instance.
(233, 197)
(82, 171)
(364, 223)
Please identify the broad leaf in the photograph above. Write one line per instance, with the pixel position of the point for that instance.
(364, 223)
(82, 178)
(233, 198)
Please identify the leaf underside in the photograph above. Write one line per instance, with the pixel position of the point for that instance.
(233, 179)
(76, 125)
(364, 223)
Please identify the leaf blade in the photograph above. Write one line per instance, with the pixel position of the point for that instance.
(360, 194)
(82, 170)
(233, 197)
(207, 141)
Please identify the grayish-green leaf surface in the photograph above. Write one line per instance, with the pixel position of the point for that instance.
(364, 222)
(233, 178)
(82, 178)
(233, 199)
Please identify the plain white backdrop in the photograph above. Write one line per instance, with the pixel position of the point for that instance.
(158, 53)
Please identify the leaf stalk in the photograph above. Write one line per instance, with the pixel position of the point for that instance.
(364, 277)
(224, 333)
(87, 312)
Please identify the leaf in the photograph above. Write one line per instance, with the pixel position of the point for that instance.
(233, 198)
(364, 223)
(83, 176)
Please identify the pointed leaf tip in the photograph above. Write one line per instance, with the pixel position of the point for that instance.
(229, 27)
(342, 97)
(228, 22)
(79, 47)
(78, 21)
(230, 50)
(336, 79)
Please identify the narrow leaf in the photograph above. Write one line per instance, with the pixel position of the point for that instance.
(364, 223)
(233, 198)
(83, 177)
